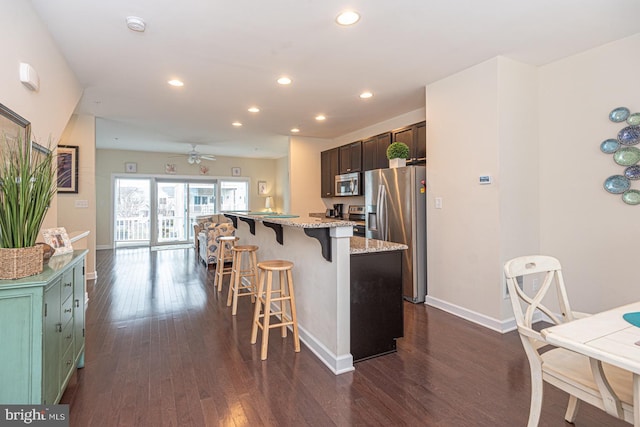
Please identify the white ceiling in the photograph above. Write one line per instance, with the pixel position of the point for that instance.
(230, 53)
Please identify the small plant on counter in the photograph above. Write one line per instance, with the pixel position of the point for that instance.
(398, 150)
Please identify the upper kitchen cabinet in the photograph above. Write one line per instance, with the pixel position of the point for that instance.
(351, 157)
(374, 152)
(415, 136)
(328, 169)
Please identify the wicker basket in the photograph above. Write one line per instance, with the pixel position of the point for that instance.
(16, 263)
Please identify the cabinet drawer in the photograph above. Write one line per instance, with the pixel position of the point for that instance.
(67, 284)
(66, 364)
(67, 336)
(67, 311)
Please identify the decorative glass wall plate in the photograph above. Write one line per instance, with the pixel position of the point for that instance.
(627, 156)
(631, 197)
(632, 172)
(634, 119)
(617, 184)
(629, 135)
(619, 114)
(609, 146)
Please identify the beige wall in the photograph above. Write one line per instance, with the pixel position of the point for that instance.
(109, 162)
(537, 131)
(24, 38)
(80, 131)
(592, 232)
(304, 167)
(462, 143)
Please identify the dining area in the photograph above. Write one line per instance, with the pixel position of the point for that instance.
(595, 358)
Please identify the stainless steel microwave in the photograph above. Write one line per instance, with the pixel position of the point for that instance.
(348, 184)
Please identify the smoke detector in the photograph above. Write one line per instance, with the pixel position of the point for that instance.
(136, 24)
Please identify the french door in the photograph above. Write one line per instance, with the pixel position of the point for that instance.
(156, 211)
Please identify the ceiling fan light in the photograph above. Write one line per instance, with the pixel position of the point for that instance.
(198, 160)
(190, 160)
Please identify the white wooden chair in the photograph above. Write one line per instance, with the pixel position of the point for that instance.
(601, 385)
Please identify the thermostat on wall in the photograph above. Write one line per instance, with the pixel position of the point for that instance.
(485, 179)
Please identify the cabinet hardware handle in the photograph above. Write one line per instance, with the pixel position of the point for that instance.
(68, 337)
(68, 284)
(68, 362)
(58, 327)
(77, 303)
(67, 310)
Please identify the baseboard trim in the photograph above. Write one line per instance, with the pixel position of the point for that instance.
(336, 364)
(472, 316)
(92, 276)
(103, 247)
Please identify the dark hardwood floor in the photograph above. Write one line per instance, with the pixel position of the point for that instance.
(162, 349)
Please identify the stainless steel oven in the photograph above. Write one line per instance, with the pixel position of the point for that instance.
(348, 184)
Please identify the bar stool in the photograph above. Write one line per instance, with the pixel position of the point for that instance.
(265, 298)
(236, 287)
(223, 254)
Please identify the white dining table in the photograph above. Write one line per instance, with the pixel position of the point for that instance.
(607, 337)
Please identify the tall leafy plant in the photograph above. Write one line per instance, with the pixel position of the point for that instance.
(27, 186)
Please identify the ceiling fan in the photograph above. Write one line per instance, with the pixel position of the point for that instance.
(195, 157)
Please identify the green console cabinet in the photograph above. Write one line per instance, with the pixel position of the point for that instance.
(42, 331)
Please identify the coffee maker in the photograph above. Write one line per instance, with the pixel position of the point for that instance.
(338, 210)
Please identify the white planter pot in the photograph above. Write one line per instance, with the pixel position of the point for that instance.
(397, 163)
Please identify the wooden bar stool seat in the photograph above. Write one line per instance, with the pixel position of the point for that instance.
(240, 268)
(266, 295)
(223, 254)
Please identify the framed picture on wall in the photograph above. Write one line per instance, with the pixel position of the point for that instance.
(130, 167)
(67, 169)
(262, 188)
(14, 128)
(235, 171)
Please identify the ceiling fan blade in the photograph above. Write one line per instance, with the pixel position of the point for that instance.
(207, 157)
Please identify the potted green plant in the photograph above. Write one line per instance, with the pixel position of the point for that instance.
(27, 186)
(397, 153)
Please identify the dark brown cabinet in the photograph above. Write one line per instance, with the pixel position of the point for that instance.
(328, 170)
(415, 136)
(374, 152)
(351, 157)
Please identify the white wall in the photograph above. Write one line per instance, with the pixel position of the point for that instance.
(24, 38)
(109, 162)
(81, 131)
(481, 121)
(592, 232)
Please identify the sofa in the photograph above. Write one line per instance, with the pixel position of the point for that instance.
(207, 233)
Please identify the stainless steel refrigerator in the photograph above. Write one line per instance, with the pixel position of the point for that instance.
(395, 201)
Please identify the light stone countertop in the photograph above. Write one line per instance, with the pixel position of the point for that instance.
(362, 245)
(300, 222)
(359, 245)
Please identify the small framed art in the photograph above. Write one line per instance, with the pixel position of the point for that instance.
(131, 167)
(262, 188)
(67, 169)
(58, 239)
(235, 171)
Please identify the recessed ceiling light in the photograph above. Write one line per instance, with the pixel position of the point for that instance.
(136, 24)
(320, 117)
(236, 124)
(284, 80)
(176, 83)
(348, 17)
(365, 95)
(253, 110)
(295, 130)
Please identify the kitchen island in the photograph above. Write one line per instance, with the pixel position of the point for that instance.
(321, 252)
